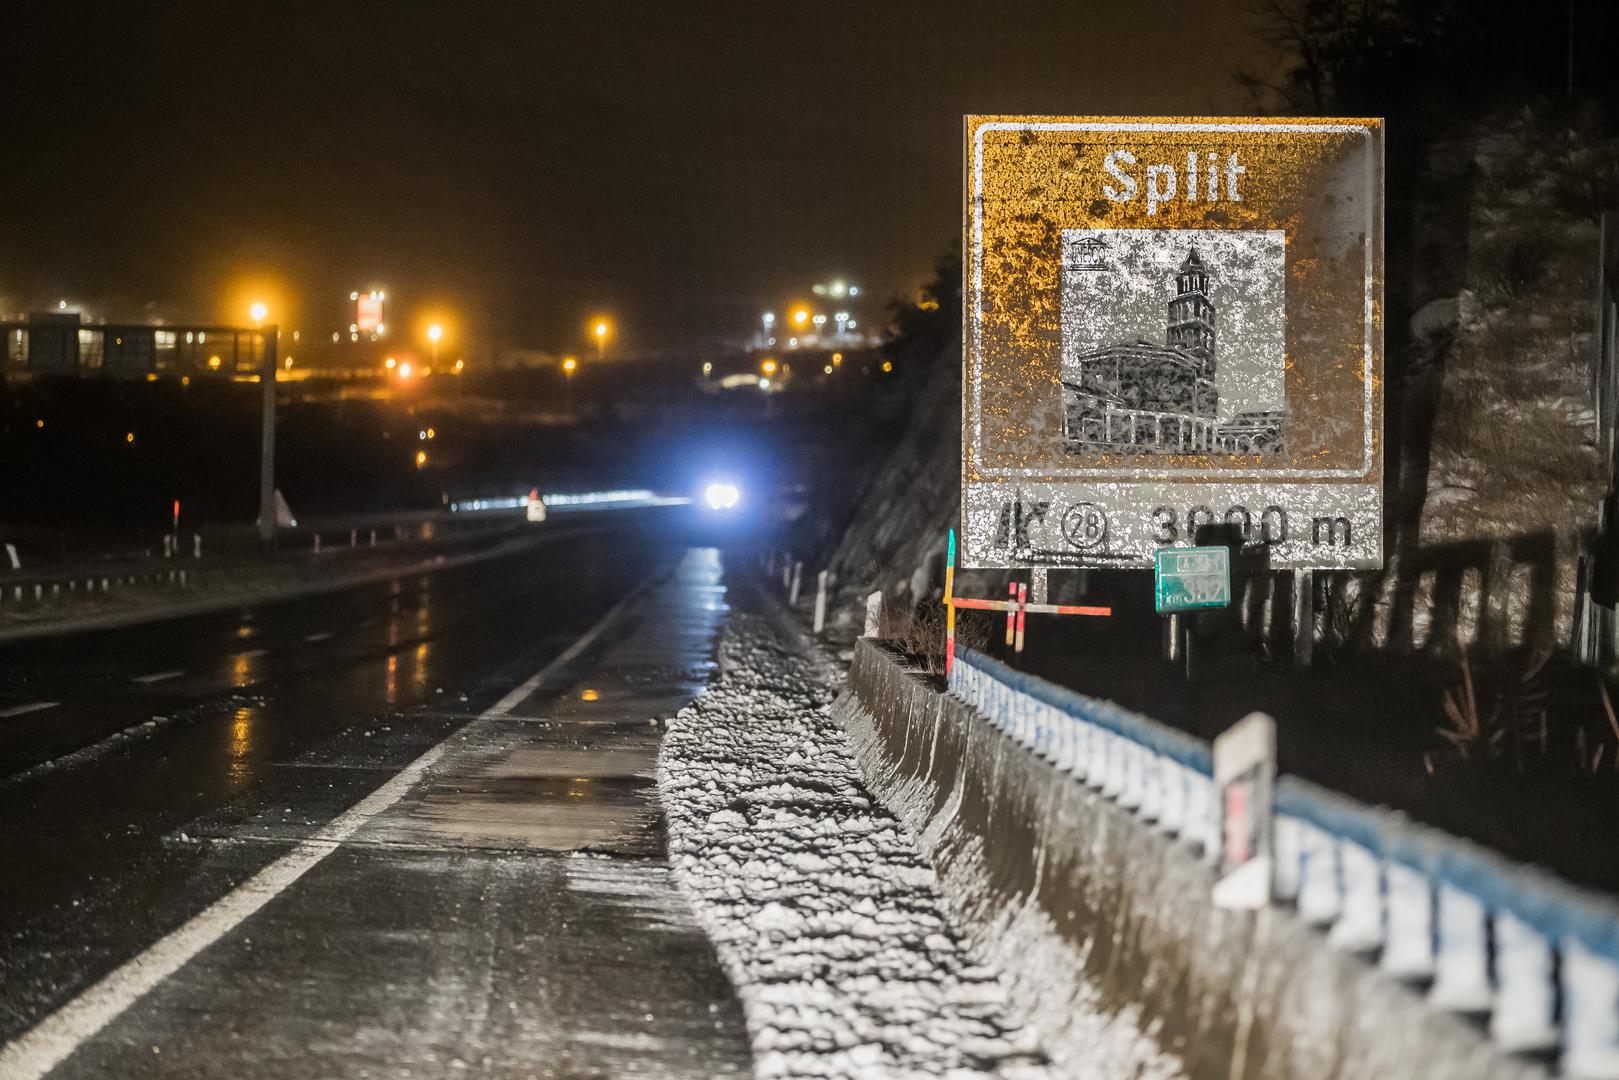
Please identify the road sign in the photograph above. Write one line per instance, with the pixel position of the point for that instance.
(1172, 323)
(1190, 579)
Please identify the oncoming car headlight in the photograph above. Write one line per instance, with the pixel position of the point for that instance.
(721, 495)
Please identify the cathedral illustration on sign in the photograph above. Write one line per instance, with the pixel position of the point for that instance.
(1141, 397)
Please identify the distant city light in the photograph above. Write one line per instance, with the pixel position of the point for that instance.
(61, 305)
(390, 363)
(827, 369)
(888, 365)
(837, 358)
(39, 423)
(459, 364)
(404, 370)
(431, 434)
(421, 458)
(708, 367)
(801, 316)
(258, 311)
(435, 333)
(601, 329)
(129, 437)
(764, 384)
(768, 367)
(569, 363)
(214, 361)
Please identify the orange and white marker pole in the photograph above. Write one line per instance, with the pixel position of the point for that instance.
(949, 604)
(1011, 611)
(1022, 604)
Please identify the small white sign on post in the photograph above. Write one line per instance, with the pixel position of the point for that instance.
(1244, 779)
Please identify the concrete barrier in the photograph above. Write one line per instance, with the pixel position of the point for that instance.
(1072, 853)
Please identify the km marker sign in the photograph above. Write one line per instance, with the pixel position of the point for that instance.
(1171, 323)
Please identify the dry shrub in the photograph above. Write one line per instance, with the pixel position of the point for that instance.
(920, 632)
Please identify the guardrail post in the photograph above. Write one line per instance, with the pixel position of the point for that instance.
(820, 601)
(1360, 921)
(11, 557)
(1286, 845)
(798, 579)
(1525, 1013)
(1461, 968)
(1203, 815)
(1408, 951)
(1172, 807)
(196, 545)
(1152, 785)
(1590, 1013)
(1319, 899)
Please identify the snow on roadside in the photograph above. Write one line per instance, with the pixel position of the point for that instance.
(829, 922)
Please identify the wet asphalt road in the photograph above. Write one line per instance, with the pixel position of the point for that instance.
(509, 915)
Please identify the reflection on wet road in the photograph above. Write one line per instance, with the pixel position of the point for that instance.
(513, 903)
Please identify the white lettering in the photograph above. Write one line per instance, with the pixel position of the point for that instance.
(1162, 184)
(1111, 164)
(1155, 195)
(1232, 171)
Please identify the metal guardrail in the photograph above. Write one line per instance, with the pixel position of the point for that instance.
(1535, 956)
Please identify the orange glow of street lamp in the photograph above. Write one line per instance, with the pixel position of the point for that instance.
(801, 316)
(569, 363)
(768, 367)
(258, 311)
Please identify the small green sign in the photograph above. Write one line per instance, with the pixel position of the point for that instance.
(1190, 578)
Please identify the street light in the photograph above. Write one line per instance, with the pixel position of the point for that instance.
(434, 333)
(601, 330)
(258, 311)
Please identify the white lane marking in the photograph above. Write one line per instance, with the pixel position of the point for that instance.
(322, 636)
(24, 710)
(46, 1045)
(160, 676)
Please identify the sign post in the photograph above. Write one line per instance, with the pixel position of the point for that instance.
(1167, 324)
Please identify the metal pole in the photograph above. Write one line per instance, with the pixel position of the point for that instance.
(1303, 616)
(267, 368)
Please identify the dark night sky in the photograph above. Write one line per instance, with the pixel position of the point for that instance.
(679, 165)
